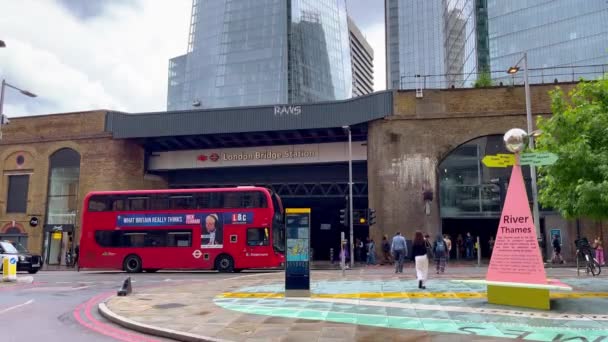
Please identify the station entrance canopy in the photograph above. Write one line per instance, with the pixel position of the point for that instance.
(251, 126)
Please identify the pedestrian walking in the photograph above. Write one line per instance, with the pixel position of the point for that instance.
(371, 251)
(386, 250)
(557, 251)
(468, 245)
(419, 255)
(599, 251)
(459, 247)
(491, 243)
(448, 244)
(399, 251)
(358, 250)
(441, 251)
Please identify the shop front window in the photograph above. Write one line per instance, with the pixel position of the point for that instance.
(14, 234)
(62, 203)
(470, 189)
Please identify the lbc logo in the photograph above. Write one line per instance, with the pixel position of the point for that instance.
(240, 217)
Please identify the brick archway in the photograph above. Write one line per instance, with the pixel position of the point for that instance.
(12, 228)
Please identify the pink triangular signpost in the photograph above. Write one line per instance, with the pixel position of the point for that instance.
(516, 257)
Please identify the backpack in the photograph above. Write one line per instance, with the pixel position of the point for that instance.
(440, 248)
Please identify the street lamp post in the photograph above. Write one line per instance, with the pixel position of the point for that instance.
(513, 70)
(22, 91)
(350, 194)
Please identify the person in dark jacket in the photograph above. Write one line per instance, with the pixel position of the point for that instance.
(419, 250)
(440, 248)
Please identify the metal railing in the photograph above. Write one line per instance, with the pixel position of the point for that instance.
(559, 74)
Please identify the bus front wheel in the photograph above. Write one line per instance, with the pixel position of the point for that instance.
(224, 263)
(132, 264)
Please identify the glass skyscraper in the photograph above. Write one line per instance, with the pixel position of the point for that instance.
(435, 43)
(414, 43)
(565, 40)
(261, 52)
(555, 33)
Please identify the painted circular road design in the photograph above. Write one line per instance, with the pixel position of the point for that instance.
(447, 307)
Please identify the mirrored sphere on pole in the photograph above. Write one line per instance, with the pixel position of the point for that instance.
(516, 140)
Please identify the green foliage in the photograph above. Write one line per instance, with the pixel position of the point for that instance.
(484, 79)
(577, 184)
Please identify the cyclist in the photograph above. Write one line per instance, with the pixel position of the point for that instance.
(584, 248)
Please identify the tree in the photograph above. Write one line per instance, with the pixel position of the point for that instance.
(484, 79)
(577, 184)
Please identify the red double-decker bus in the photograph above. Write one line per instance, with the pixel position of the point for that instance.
(227, 229)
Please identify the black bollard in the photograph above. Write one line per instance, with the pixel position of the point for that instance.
(126, 288)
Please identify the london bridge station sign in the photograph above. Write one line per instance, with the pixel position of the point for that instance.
(255, 156)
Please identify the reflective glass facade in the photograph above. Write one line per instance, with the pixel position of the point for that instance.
(443, 41)
(553, 32)
(415, 40)
(319, 51)
(470, 189)
(466, 41)
(262, 52)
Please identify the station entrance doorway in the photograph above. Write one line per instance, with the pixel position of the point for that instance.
(484, 228)
(321, 187)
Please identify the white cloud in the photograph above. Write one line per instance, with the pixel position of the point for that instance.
(117, 60)
(375, 37)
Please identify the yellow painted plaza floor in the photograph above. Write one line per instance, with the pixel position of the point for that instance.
(368, 304)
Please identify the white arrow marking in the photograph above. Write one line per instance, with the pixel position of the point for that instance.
(16, 306)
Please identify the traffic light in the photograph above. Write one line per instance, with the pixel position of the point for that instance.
(344, 217)
(371, 216)
(356, 216)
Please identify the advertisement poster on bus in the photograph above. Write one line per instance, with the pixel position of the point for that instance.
(212, 232)
(211, 224)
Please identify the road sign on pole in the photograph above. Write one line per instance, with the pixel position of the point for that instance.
(538, 158)
(533, 158)
(499, 160)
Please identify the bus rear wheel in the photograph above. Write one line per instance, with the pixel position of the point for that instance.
(224, 263)
(132, 264)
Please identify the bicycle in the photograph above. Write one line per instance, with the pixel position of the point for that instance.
(591, 264)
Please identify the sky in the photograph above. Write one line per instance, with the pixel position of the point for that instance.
(78, 55)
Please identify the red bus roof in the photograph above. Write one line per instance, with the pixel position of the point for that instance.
(176, 191)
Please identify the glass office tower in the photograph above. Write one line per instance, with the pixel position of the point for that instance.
(555, 33)
(262, 52)
(414, 43)
(435, 43)
(466, 41)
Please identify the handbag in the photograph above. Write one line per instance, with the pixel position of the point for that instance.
(429, 251)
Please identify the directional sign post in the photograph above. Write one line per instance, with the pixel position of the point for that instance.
(534, 158)
(538, 158)
(499, 160)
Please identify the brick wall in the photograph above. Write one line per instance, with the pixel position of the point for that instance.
(404, 150)
(106, 164)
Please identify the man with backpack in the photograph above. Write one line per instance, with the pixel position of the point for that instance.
(440, 248)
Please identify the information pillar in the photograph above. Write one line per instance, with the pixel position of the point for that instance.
(297, 267)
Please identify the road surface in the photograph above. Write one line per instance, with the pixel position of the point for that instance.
(61, 306)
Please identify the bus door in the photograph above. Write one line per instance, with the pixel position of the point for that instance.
(258, 247)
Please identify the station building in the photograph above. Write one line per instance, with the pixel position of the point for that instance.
(416, 161)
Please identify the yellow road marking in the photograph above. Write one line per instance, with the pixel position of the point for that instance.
(413, 295)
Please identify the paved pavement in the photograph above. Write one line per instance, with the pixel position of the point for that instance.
(366, 305)
(62, 305)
